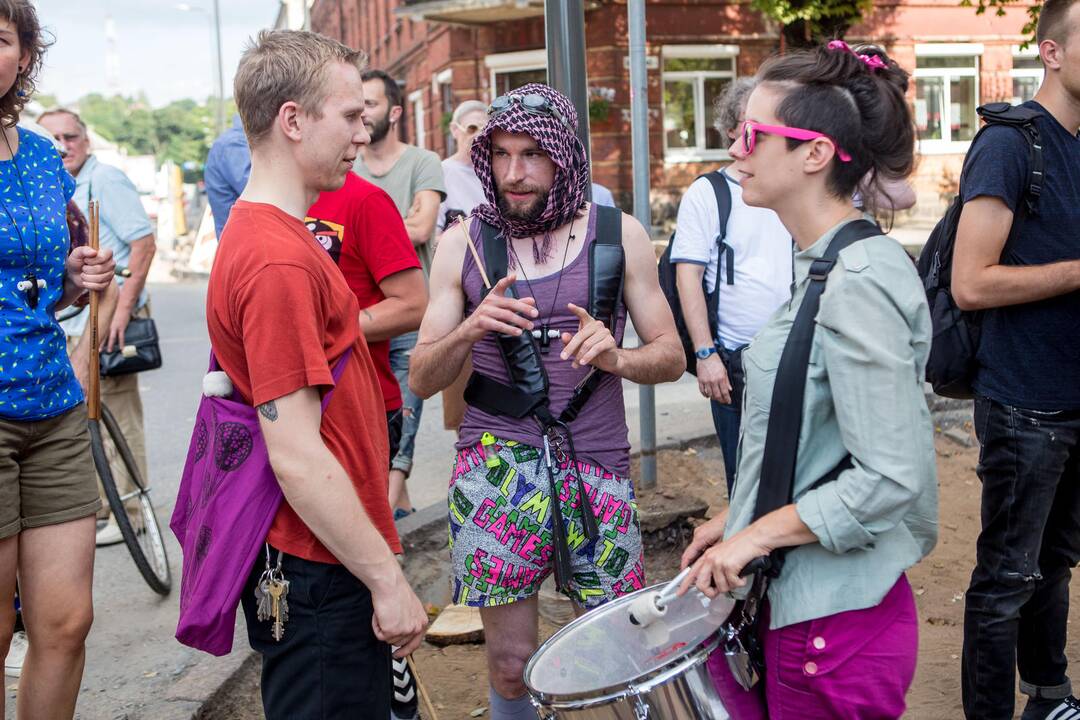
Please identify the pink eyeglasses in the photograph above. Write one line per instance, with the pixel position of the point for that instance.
(750, 130)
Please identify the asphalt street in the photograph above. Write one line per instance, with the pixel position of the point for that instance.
(135, 669)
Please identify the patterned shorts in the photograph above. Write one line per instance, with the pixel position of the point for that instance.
(500, 529)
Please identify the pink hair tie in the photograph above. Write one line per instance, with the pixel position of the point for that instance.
(871, 61)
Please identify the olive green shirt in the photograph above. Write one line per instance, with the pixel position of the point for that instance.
(864, 396)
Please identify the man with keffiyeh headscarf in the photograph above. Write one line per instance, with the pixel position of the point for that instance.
(534, 172)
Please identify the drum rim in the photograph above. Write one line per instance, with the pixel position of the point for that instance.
(645, 684)
(611, 693)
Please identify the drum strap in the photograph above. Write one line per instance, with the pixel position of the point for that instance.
(742, 646)
(776, 487)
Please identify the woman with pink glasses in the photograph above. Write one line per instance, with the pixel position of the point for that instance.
(844, 498)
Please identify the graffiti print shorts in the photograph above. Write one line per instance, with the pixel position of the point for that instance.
(500, 529)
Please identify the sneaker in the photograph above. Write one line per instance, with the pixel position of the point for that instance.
(109, 534)
(403, 705)
(16, 654)
(1041, 709)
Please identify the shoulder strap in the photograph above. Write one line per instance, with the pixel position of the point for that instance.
(495, 259)
(786, 408)
(607, 262)
(336, 373)
(1023, 120)
(723, 199)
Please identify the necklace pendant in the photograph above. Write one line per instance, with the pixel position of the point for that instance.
(32, 292)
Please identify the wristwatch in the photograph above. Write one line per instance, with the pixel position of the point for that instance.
(704, 353)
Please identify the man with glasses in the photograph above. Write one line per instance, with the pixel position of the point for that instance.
(506, 507)
(126, 230)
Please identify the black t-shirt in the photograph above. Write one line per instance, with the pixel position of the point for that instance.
(1029, 355)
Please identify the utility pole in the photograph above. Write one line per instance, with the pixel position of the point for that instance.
(564, 31)
(639, 137)
(220, 70)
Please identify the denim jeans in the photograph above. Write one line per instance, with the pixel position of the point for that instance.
(1017, 604)
(726, 420)
(400, 349)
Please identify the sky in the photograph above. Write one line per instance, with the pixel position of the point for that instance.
(160, 49)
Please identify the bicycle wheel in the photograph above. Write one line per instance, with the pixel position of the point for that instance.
(133, 512)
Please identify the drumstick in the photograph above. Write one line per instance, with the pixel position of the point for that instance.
(423, 691)
(93, 391)
(476, 255)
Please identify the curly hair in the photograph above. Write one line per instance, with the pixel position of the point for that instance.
(23, 16)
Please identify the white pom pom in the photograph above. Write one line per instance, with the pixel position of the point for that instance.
(217, 384)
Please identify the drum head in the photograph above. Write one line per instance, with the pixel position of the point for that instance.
(603, 650)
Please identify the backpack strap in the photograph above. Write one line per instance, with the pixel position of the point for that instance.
(777, 483)
(1023, 120)
(607, 263)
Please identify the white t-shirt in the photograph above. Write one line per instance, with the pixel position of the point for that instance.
(763, 258)
(463, 190)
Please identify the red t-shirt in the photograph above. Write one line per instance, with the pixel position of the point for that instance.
(360, 227)
(280, 316)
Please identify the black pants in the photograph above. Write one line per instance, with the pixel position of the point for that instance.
(329, 665)
(1018, 602)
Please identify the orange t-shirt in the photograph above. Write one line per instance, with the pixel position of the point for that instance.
(280, 315)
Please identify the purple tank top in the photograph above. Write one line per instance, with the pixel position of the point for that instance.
(600, 432)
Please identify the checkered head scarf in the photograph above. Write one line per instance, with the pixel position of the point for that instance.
(567, 193)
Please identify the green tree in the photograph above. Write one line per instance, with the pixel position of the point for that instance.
(998, 6)
(809, 22)
(182, 131)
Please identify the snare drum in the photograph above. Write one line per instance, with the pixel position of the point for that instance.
(603, 667)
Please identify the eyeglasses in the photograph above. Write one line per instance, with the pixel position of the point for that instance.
(751, 129)
(532, 103)
(68, 137)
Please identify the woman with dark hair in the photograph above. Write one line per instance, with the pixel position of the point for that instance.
(48, 488)
(838, 624)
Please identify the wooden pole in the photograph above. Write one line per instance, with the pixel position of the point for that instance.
(93, 390)
(428, 705)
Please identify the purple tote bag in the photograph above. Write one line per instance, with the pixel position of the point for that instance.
(227, 500)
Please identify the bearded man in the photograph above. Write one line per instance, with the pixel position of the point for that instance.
(545, 425)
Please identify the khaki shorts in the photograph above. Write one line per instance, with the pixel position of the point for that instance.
(47, 473)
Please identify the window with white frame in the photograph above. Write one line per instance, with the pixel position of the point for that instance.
(442, 88)
(694, 77)
(510, 71)
(946, 95)
(416, 104)
(1027, 73)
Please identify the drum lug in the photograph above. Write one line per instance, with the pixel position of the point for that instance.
(641, 709)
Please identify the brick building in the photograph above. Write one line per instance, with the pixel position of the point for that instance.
(447, 51)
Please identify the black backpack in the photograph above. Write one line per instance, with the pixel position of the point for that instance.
(669, 285)
(952, 363)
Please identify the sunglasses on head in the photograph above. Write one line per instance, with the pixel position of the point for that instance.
(532, 103)
(751, 129)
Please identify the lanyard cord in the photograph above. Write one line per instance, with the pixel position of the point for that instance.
(30, 265)
(558, 284)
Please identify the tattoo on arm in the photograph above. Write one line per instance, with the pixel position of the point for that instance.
(368, 315)
(269, 411)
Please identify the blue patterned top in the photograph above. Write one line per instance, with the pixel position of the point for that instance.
(36, 379)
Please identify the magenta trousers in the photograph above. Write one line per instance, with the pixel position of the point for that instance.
(855, 665)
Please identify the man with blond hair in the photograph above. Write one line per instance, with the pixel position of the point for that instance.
(284, 326)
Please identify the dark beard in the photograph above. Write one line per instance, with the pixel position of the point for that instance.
(379, 130)
(531, 215)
